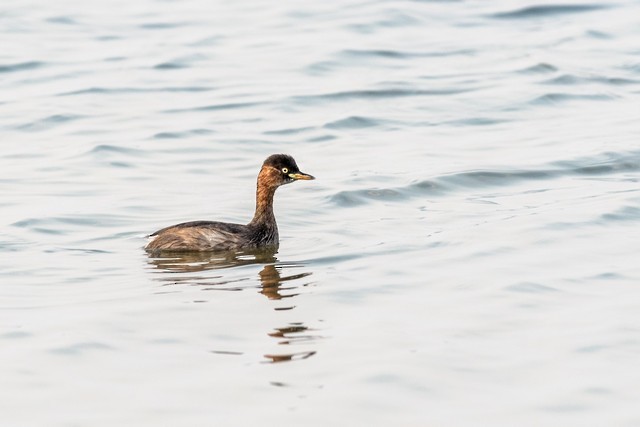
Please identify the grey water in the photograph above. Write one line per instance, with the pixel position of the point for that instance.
(468, 254)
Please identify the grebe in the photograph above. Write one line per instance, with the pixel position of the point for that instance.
(262, 231)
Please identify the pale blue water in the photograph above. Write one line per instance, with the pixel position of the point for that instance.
(467, 255)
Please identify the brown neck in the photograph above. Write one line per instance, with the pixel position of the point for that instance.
(264, 202)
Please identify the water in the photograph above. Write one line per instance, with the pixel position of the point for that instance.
(467, 255)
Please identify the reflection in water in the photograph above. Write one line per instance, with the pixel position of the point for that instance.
(296, 333)
(191, 268)
(188, 262)
(270, 277)
(275, 358)
(272, 283)
(292, 334)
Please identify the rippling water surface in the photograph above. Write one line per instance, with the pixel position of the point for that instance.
(467, 256)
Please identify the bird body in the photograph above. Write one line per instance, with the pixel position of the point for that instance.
(262, 231)
(212, 236)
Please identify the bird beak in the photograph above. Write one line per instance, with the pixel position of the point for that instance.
(300, 175)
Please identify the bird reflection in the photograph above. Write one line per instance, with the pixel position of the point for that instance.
(193, 262)
(188, 262)
(272, 282)
(184, 268)
(276, 358)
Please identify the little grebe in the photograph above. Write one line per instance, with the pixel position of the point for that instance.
(262, 231)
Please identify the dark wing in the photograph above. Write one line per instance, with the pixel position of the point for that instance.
(203, 224)
(198, 236)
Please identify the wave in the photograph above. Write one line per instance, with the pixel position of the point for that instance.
(105, 149)
(396, 54)
(182, 134)
(379, 94)
(49, 122)
(547, 10)
(572, 79)
(604, 164)
(557, 98)
(216, 107)
(540, 68)
(353, 122)
(21, 66)
(125, 90)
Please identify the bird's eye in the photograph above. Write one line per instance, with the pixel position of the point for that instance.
(285, 170)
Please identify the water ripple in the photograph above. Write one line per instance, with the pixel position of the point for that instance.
(21, 66)
(64, 20)
(289, 131)
(396, 54)
(125, 90)
(353, 122)
(182, 134)
(557, 98)
(379, 94)
(171, 65)
(80, 348)
(532, 288)
(54, 225)
(162, 25)
(103, 149)
(626, 213)
(605, 164)
(547, 10)
(572, 79)
(540, 68)
(215, 107)
(178, 63)
(49, 122)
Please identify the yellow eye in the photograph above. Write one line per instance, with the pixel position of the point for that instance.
(285, 170)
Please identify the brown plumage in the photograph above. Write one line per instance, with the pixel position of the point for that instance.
(262, 231)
